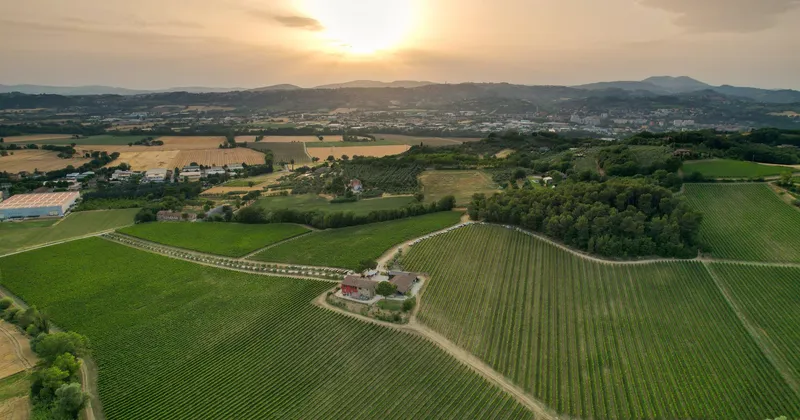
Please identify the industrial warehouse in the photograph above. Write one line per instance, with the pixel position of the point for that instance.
(38, 205)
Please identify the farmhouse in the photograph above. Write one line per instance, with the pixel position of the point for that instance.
(119, 175)
(215, 171)
(403, 280)
(235, 167)
(356, 186)
(38, 205)
(359, 287)
(169, 216)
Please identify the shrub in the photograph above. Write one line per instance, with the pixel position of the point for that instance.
(53, 345)
(6, 303)
(409, 304)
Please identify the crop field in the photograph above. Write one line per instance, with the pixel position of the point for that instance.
(354, 144)
(308, 202)
(770, 297)
(27, 234)
(374, 151)
(15, 351)
(427, 141)
(105, 139)
(14, 391)
(174, 339)
(228, 239)
(142, 159)
(596, 340)
(289, 139)
(733, 169)
(283, 152)
(219, 157)
(256, 180)
(346, 247)
(746, 222)
(462, 184)
(191, 142)
(36, 138)
(42, 160)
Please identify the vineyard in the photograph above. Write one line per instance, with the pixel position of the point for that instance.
(177, 340)
(283, 152)
(746, 222)
(597, 340)
(394, 179)
(770, 297)
(228, 239)
(721, 168)
(309, 202)
(347, 247)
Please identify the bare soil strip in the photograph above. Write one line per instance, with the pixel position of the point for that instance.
(763, 341)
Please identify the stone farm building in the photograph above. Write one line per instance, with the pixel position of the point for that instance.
(359, 287)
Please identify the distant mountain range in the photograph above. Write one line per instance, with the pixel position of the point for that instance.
(653, 86)
(666, 85)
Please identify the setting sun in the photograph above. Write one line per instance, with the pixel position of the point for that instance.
(362, 27)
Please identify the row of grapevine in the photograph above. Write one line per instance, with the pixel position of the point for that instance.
(178, 340)
(746, 222)
(770, 297)
(597, 340)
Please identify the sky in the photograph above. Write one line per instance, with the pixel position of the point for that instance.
(150, 44)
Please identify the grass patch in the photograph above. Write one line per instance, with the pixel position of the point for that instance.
(746, 222)
(16, 385)
(723, 168)
(309, 202)
(256, 180)
(228, 239)
(74, 225)
(462, 184)
(174, 339)
(347, 247)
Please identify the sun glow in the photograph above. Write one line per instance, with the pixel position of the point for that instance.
(363, 27)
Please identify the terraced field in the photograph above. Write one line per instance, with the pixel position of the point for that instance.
(15, 235)
(596, 340)
(177, 340)
(347, 247)
(228, 239)
(746, 222)
(770, 297)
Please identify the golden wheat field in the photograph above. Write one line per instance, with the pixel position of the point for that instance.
(36, 137)
(290, 139)
(41, 160)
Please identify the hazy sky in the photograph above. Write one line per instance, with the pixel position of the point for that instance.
(249, 43)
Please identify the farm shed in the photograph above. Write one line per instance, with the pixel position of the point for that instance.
(38, 205)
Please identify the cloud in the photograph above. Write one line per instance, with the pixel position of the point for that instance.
(289, 21)
(724, 15)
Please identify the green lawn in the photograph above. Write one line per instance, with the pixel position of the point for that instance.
(746, 222)
(722, 168)
(26, 234)
(309, 202)
(347, 247)
(228, 239)
(177, 340)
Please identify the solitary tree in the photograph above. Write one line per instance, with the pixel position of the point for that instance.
(386, 289)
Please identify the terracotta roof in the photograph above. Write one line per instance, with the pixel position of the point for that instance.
(360, 282)
(403, 281)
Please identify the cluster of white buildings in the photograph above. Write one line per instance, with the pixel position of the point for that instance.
(191, 173)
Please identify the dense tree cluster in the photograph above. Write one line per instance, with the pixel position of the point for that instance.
(617, 218)
(331, 220)
(622, 161)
